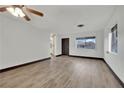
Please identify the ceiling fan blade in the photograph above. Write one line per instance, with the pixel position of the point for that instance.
(3, 9)
(27, 18)
(35, 12)
(20, 6)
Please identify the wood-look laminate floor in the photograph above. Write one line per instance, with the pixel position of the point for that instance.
(62, 72)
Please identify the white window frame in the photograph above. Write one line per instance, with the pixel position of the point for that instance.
(110, 43)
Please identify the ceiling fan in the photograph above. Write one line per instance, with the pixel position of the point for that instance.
(20, 11)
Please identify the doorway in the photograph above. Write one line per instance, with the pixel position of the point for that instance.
(65, 46)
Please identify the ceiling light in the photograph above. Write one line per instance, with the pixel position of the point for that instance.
(19, 12)
(12, 11)
(16, 12)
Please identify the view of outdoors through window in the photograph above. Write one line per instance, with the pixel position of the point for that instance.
(87, 42)
(114, 40)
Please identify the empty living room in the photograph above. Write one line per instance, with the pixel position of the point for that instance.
(61, 46)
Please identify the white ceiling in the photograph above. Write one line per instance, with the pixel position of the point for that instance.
(64, 19)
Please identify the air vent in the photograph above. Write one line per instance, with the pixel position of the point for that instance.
(80, 25)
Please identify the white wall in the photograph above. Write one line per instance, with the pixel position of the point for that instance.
(98, 52)
(1, 28)
(21, 43)
(116, 62)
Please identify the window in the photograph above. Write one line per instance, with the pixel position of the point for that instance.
(86, 42)
(113, 40)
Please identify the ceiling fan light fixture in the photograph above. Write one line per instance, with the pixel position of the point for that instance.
(16, 11)
(19, 12)
(12, 11)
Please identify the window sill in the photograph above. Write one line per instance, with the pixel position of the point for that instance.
(112, 53)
